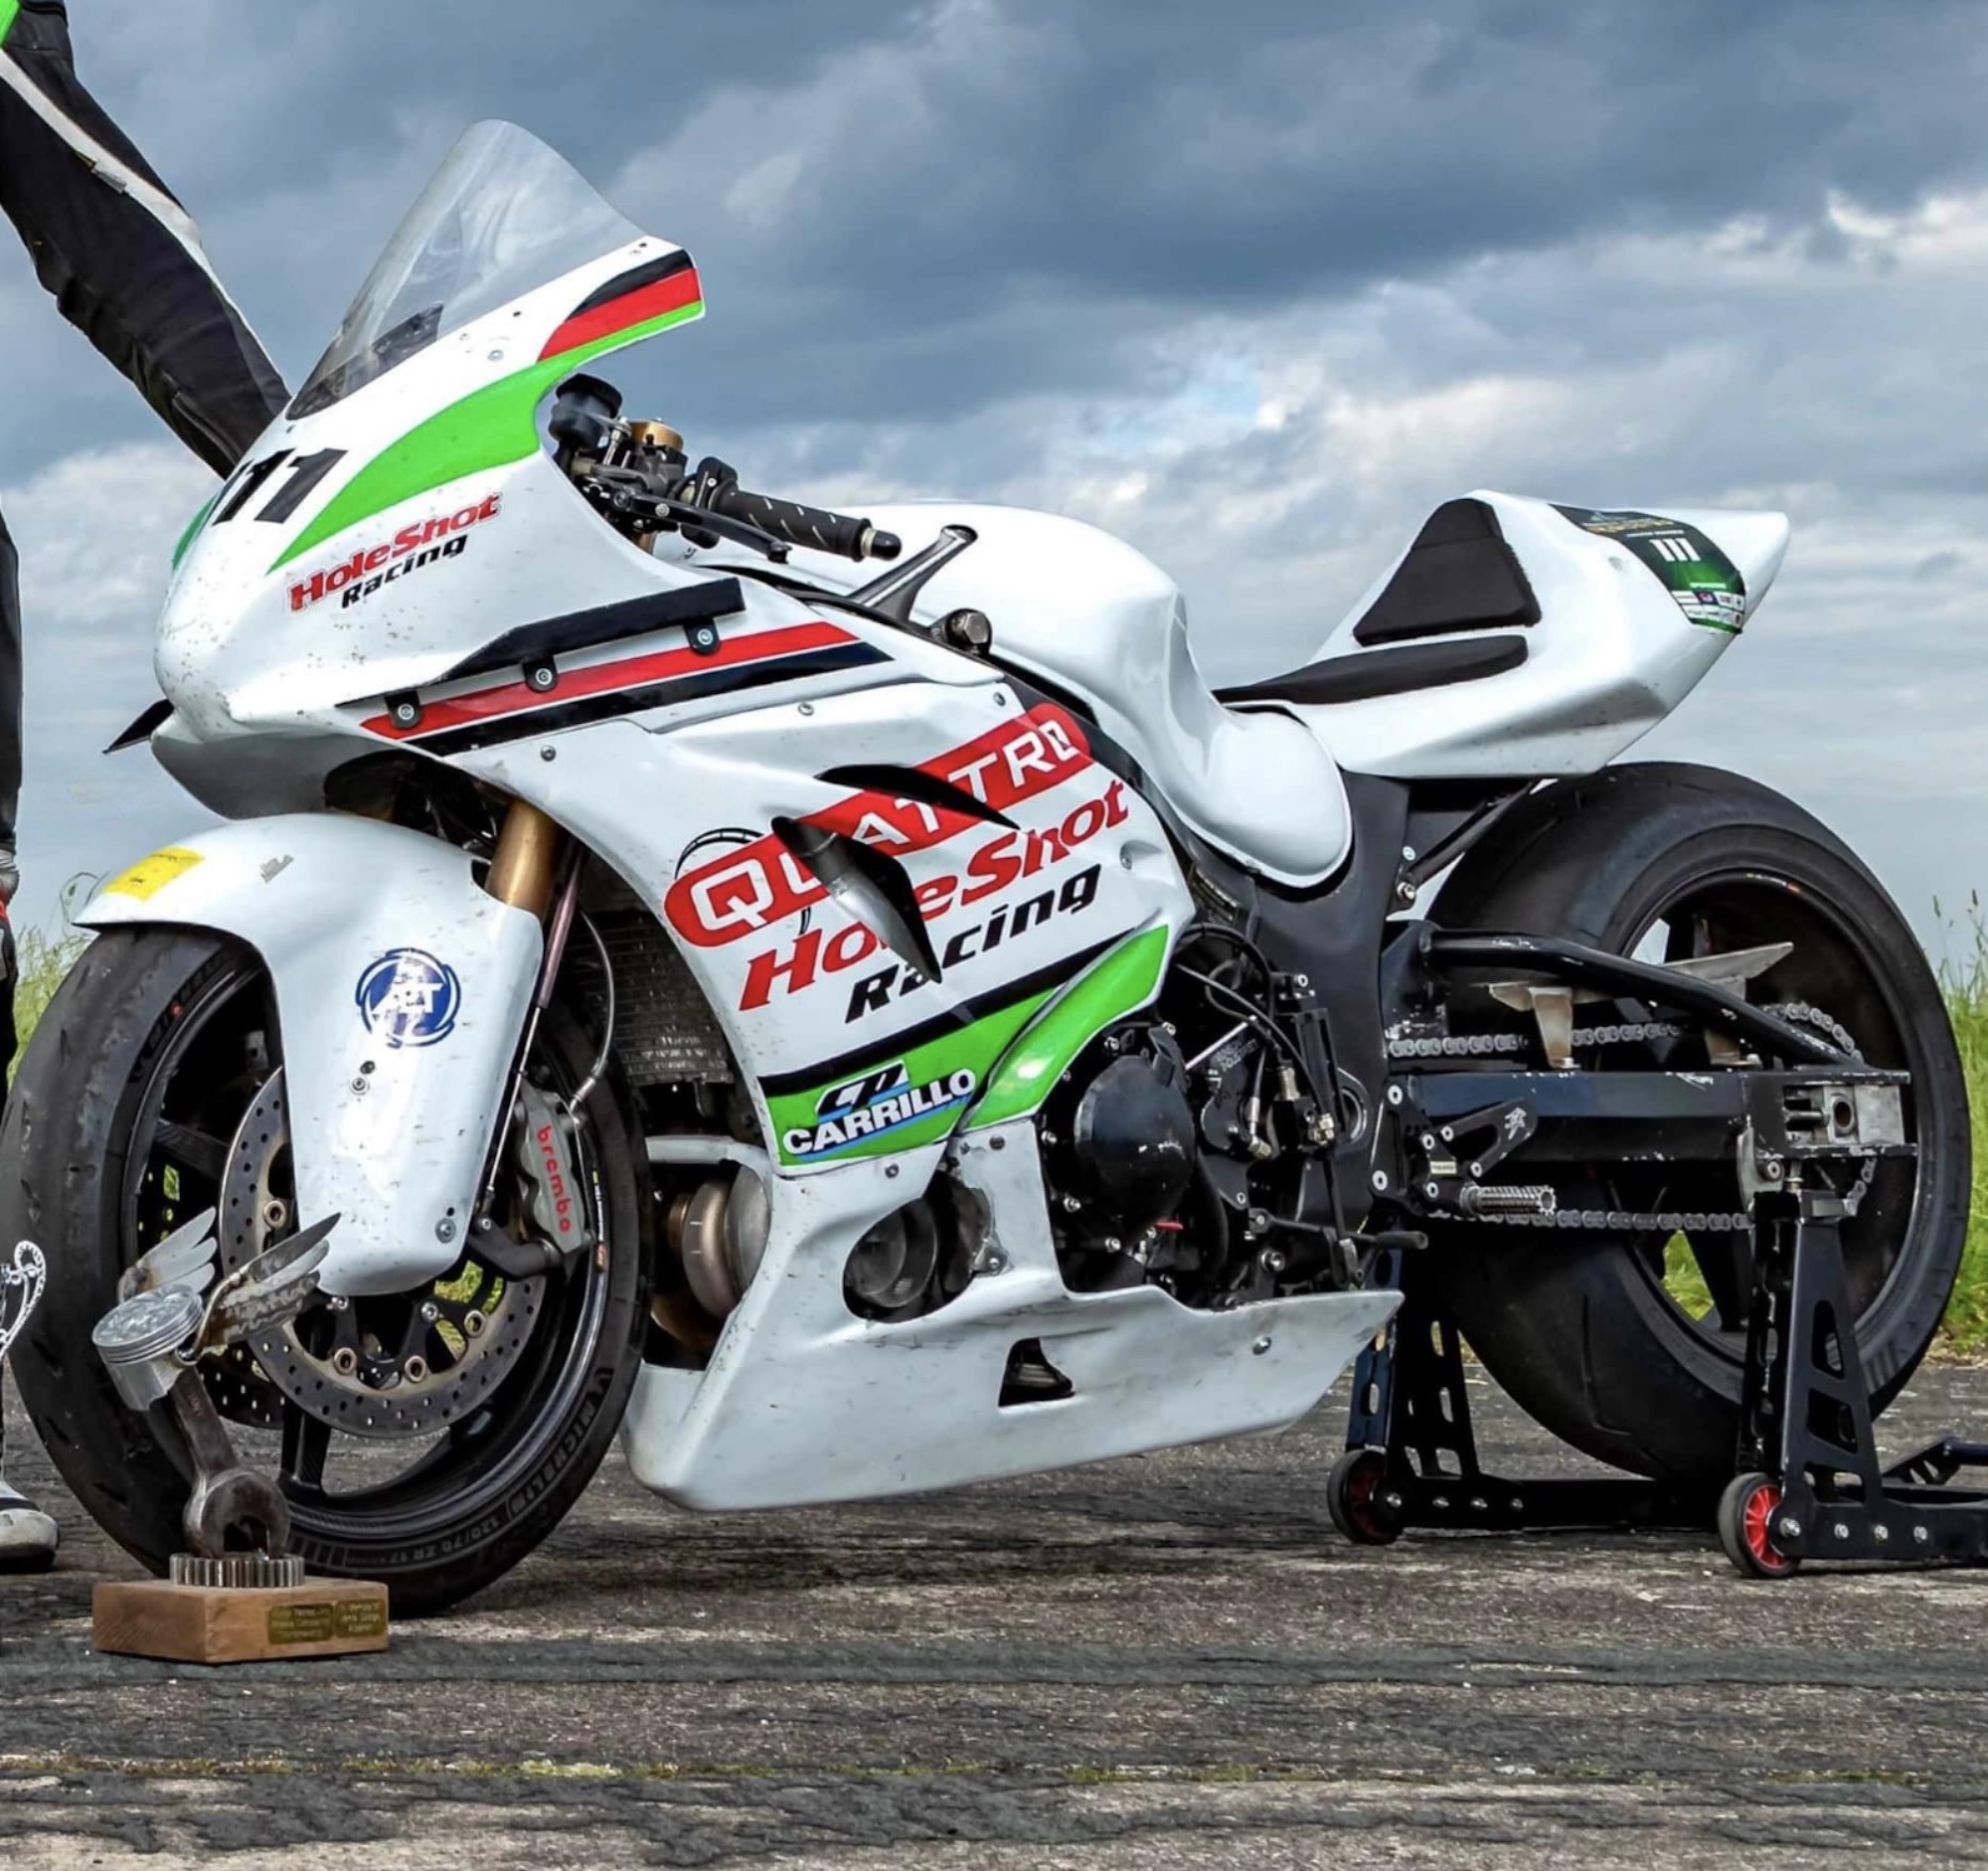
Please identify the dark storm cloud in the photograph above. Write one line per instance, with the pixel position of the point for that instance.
(999, 198)
(1254, 285)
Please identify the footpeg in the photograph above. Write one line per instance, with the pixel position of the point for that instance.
(1479, 1198)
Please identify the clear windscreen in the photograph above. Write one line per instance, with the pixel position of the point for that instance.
(502, 215)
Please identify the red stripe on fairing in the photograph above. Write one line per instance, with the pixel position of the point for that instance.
(634, 672)
(632, 308)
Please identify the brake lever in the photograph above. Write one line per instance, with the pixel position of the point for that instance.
(629, 495)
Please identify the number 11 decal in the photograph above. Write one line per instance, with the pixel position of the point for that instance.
(306, 471)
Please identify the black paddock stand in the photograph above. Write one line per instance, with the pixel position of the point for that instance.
(1807, 1481)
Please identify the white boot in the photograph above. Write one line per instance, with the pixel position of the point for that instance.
(27, 1535)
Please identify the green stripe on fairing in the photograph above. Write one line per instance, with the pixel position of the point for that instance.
(490, 427)
(1119, 984)
(972, 1048)
(199, 518)
(8, 9)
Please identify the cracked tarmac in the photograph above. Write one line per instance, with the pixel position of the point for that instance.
(1165, 1661)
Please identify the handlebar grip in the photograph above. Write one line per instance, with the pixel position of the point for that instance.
(814, 528)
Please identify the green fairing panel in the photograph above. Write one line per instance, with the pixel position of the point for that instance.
(490, 427)
(897, 1102)
(1120, 984)
(199, 518)
(1007, 1059)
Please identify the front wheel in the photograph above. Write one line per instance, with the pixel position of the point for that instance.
(429, 1439)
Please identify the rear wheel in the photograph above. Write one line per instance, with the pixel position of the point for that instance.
(429, 1439)
(1630, 1346)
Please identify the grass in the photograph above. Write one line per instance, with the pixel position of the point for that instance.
(46, 958)
(1965, 1328)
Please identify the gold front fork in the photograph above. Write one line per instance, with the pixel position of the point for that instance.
(521, 874)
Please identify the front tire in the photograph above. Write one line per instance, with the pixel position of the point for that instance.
(153, 1046)
(1581, 1330)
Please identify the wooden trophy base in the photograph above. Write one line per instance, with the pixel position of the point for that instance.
(240, 1624)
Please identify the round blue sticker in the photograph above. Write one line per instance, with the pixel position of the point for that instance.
(409, 998)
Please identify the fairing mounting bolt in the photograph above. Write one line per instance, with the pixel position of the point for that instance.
(1261, 1346)
(445, 1229)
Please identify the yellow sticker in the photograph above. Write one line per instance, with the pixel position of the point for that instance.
(146, 879)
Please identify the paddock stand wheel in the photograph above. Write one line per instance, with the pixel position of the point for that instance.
(1358, 1497)
(1746, 1513)
(1410, 1427)
(1809, 1481)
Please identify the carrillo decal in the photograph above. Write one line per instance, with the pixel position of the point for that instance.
(876, 1103)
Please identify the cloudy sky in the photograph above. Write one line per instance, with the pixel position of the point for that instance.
(1255, 285)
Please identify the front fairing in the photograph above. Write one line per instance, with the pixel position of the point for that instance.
(370, 546)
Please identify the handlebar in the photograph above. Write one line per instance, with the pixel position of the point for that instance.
(813, 527)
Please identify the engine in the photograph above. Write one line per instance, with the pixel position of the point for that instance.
(1191, 1147)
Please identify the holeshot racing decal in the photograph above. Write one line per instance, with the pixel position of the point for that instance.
(1705, 584)
(1017, 897)
(413, 549)
(758, 885)
(409, 998)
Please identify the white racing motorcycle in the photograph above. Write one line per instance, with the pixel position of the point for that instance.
(861, 1037)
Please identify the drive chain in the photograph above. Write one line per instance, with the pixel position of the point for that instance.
(1621, 1220)
(1630, 1032)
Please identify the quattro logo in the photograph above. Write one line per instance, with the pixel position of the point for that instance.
(872, 1106)
(759, 884)
(412, 548)
(1008, 859)
(409, 998)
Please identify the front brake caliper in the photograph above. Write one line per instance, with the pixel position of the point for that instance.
(550, 1165)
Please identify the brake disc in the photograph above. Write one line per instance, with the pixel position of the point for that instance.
(443, 1350)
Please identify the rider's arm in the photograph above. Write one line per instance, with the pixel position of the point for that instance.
(121, 256)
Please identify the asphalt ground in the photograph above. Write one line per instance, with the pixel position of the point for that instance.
(1168, 1661)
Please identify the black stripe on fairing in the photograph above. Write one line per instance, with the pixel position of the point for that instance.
(696, 687)
(965, 1014)
(605, 624)
(634, 281)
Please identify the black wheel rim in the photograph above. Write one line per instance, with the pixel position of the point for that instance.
(1836, 969)
(216, 1048)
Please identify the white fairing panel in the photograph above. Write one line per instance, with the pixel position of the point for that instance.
(1145, 1372)
(1094, 618)
(808, 997)
(401, 989)
(1612, 654)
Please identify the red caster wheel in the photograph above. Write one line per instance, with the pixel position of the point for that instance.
(1357, 1494)
(1746, 1513)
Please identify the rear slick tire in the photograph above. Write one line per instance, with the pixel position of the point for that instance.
(74, 1140)
(1580, 1329)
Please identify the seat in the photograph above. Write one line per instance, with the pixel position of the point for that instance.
(1374, 673)
(1459, 575)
